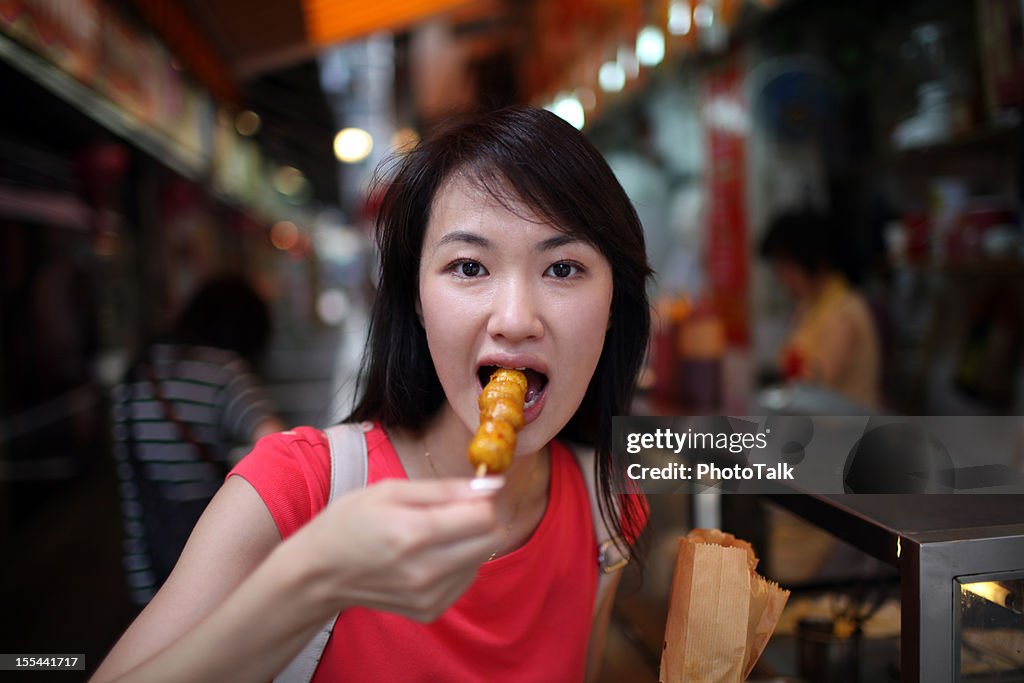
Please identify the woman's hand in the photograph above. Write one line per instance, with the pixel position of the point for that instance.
(409, 547)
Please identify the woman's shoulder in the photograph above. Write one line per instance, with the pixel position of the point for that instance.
(305, 446)
(852, 310)
(292, 473)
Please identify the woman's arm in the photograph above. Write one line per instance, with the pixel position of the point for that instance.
(240, 603)
(599, 630)
(233, 537)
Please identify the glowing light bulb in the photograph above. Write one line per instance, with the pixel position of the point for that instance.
(570, 109)
(352, 145)
(650, 46)
(611, 77)
(703, 15)
(680, 18)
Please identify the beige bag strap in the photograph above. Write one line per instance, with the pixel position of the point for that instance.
(348, 473)
(610, 558)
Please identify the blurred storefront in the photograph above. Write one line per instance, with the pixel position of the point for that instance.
(131, 170)
(901, 122)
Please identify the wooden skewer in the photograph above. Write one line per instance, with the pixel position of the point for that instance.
(481, 470)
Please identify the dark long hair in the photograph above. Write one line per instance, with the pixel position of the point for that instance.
(548, 165)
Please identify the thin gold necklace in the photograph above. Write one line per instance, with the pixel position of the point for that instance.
(519, 500)
(430, 461)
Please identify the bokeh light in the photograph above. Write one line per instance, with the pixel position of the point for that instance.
(352, 145)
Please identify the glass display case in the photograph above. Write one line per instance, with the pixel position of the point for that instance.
(990, 634)
(961, 565)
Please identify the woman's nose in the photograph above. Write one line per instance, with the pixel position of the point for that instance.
(514, 313)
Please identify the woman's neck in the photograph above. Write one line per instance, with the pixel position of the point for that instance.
(820, 287)
(439, 451)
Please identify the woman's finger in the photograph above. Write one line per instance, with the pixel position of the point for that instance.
(436, 491)
(452, 522)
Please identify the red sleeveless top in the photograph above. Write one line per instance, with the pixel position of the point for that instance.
(526, 618)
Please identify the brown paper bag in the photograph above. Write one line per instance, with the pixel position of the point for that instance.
(722, 612)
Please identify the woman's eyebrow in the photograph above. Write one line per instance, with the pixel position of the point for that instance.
(555, 242)
(465, 237)
(461, 236)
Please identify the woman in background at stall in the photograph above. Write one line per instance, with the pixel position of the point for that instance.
(505, 241)
(833, 341)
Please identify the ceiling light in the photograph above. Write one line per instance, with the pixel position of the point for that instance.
(680, 18)
(611, 77)
(352, 145)
(570, 109)
(703, 15)
(650, 46)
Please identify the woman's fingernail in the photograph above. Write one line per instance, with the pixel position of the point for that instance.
(487, 484)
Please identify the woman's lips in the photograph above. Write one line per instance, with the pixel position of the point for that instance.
(532, 410)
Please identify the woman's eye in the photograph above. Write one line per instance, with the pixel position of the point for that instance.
(468, 269)
(563, 269)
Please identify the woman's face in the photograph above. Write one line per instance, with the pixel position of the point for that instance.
(502, 288)
(793, 277)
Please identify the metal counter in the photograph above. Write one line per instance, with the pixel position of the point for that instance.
(931, 540)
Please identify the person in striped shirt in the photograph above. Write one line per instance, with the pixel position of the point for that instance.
(180, 411)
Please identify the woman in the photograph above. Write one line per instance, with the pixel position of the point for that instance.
(505, 241)
(181, 409)
(833, 341)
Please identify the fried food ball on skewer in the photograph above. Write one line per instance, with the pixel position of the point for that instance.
(501, 416)
(493, 446)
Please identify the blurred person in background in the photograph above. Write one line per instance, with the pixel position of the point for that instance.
(184, 407)
(833, 341)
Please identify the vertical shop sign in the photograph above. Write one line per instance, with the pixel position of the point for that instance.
(726, 122)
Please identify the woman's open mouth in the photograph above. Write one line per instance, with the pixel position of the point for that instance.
(536, 382)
